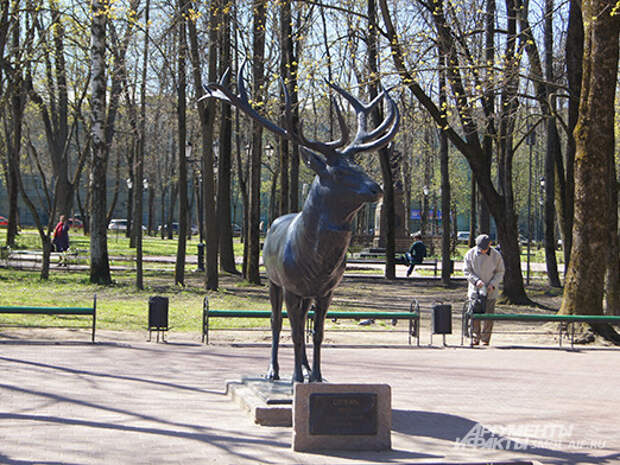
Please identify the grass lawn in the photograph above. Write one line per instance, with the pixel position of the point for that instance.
(122, 307)
(118, 244)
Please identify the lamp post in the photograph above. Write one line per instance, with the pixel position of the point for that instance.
(129, 182)
(541, 203)
(145, 188)
(424, 213)
(197, 181)
(274, 182)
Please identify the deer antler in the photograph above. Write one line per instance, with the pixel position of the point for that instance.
(364, 141)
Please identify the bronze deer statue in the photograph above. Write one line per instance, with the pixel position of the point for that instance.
(305, 252)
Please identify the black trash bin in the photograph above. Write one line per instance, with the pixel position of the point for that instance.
(442, 321)
(158, 315)
(201, 257)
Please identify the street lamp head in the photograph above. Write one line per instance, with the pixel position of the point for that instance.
(426, 190)
(542, 183)
(188, 150)
(129, 183)
(145, 184)
(268, 150)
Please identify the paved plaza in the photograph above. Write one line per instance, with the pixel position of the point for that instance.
(131, 402)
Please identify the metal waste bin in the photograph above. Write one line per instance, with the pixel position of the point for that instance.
(201, 257)
(158, 315)
(442, 321)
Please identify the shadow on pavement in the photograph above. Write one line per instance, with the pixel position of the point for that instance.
(455, 429)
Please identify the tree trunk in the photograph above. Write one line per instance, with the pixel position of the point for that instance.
(209, 188)
(206, 110)
(473, 207)
(258, 69)
(294, 56)
(594, 137)
(179, 271)
(99, 264)
(242, 175)
(44, 232)
(484, 216)
(13, 149)
(227, 254)
(385, 154)
(140, 154)
(551, 156)
(16, 91)
(612, 277)
(446, 261)
(574, 58)
(285, 42)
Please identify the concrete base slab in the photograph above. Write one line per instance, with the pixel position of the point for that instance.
(342, 417)
(267, 402)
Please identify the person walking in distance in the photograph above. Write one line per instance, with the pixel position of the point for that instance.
(484, 271)
(61, 237)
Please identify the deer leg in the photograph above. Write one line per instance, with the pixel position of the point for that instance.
(322, 304)
(297, 317)
(304, 360)
(275, 296)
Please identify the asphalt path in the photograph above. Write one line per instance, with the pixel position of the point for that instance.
(125, 401)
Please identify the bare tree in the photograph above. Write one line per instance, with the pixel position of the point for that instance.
(467, 140)
(18, 34)
(258, 57)
(140, 153)
(385, 153)
(224, 171)
(206, 111)
(179, 271)
(99, 263)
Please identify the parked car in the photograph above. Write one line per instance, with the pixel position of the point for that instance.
(76, 223)
(236, 229)
(118, 225)
(175, 228)
(462, 236)
(4, 221)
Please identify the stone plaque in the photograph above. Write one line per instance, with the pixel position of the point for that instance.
(343, 413)
(341, 417)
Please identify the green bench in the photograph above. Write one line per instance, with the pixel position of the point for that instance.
(413, 316)
(379, 259)
(34, 257)
(566, 320)
(74, 311)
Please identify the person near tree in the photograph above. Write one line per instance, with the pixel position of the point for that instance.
(484, 271)
(61, 235)
(416, 253)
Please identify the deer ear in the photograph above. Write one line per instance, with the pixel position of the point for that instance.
(313, 160)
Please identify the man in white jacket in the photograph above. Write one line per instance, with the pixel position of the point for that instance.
(484, 270)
